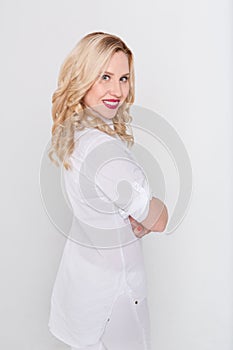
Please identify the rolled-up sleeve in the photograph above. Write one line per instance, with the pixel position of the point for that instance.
(117, 175)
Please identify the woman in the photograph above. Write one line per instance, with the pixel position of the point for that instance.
(99, 298)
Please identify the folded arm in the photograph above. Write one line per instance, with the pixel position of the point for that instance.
(155, 221)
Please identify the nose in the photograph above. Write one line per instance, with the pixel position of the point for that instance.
(115, 88)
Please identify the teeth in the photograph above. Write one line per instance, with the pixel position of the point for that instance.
(111, 103)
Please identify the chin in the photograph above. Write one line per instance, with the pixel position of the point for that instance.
(108, 114)
(105, 112)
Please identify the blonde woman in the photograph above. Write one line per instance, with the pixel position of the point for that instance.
(99, 298)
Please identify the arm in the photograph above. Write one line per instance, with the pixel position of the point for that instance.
(108, 164)
(157, 217)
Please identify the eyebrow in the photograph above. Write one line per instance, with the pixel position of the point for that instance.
(113, 74)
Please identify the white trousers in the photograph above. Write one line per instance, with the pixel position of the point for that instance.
(128, 327)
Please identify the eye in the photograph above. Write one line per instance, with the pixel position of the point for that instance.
(126, 78)
(104, 76)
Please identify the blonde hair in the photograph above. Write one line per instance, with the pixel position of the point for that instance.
(77, 75)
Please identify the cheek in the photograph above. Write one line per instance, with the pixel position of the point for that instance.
(90, 96)
(126, 90)
(87, 97)
(96, 93)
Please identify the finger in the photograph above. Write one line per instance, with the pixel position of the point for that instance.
(134, 224)
(142, 233)
(147, 231)
(132, 221)
(138, 229)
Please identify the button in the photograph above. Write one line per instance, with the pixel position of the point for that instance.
(108, 319)
(136, 301)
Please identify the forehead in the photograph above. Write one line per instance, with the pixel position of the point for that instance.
(118, 62)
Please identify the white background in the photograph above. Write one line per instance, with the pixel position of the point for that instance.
(183, 58)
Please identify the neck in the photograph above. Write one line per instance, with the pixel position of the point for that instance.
(108, 121)
(94, 113)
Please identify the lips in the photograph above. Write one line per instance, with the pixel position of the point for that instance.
(112, 104)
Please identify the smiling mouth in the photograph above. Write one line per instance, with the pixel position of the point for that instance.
(112, 104)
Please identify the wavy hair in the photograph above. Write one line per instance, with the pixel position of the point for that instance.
(78, 73)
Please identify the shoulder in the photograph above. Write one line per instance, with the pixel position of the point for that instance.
(92, 139)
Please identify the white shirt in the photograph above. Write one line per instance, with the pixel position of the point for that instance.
(102, 256)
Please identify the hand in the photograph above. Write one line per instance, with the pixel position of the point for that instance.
(138, 229)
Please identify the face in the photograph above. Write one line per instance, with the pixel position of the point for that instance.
(111, 89)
